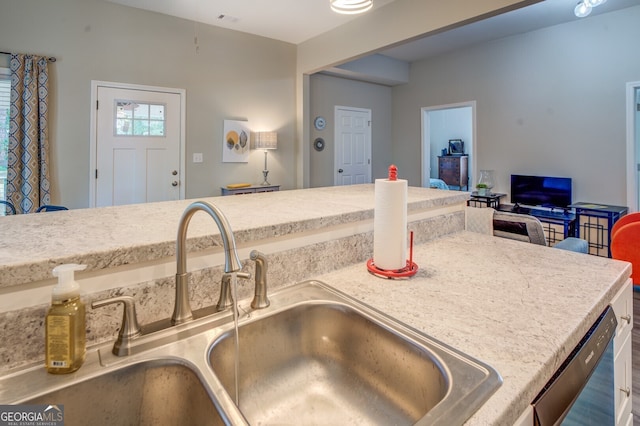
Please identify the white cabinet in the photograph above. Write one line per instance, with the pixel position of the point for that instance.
(526, 418)
(622, 305)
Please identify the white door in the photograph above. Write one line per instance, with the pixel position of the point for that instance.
(138, 146)
(633, 146)
(353, 146)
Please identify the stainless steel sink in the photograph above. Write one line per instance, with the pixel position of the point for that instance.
(314, 356)
(147, 393)
(319, 357)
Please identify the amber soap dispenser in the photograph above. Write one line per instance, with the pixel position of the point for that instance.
(65, 324)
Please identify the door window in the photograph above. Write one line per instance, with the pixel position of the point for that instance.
(135, 118)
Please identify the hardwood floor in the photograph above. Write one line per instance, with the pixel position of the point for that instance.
(635, 357)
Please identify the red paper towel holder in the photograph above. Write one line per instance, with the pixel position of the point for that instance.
(408, 271)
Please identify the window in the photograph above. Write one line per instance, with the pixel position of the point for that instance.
(134, 118)
(5, 92)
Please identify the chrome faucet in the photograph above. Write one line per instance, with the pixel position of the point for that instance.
(260, 299)
(182, 310)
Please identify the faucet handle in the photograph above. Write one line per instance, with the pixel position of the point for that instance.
(260, 299)
(226, 300)
(130, 329)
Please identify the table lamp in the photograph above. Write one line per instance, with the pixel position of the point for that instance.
(266, 141)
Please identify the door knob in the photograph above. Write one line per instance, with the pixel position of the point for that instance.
(340, 170)
(174, 183)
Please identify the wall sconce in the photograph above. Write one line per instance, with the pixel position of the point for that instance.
(351, 7)
(266, 141)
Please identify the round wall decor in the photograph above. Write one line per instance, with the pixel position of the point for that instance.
(318, 144)
(319, 123)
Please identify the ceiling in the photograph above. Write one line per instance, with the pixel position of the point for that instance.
(539, 15)
(295, 21)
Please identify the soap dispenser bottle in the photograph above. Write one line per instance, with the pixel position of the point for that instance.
(65, 324)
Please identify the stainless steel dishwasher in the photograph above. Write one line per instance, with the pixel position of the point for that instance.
(581, 392)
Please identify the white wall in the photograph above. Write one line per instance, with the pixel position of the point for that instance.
(549, 102)
(326, 92)
(233, 76)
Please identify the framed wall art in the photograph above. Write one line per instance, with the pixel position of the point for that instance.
(235, 142)
(456, 147)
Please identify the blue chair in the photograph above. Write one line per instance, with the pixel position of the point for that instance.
(50, 208)
(11, 209)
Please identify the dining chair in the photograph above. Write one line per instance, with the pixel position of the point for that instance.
(9, 208)
(50, 208)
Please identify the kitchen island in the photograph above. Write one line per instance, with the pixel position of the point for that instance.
(518, 307)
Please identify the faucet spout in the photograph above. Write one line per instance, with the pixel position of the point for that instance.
(182, 310)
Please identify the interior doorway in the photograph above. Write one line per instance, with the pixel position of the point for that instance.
(633, 146)
(440, 124)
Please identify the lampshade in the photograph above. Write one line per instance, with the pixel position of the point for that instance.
(265, 140)
(351, 7)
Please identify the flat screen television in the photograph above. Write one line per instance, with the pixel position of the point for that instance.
(541, 191)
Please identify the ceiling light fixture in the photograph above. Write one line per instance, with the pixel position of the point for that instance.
(351, 7)
(582, 9)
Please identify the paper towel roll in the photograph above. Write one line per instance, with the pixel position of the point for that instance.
(390, 224)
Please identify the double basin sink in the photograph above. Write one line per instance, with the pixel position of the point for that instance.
(315, 356)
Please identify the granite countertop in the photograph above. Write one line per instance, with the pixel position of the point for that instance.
(519, 307)
(31, 245)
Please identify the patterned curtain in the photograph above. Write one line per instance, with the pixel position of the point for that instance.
(27, 168)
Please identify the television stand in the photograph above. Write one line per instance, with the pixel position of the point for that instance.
(557, 225)
(517, 208)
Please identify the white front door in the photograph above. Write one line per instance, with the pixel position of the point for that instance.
(353, 146)
(138, 145)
